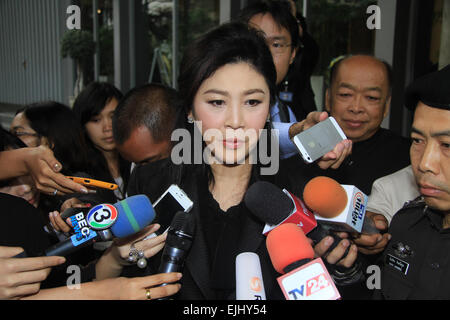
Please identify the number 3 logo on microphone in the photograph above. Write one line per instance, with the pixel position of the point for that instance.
(102, 216)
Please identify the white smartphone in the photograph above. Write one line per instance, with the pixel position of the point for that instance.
(174, 199)
(319, 139)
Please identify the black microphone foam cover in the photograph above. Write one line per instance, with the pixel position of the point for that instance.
(181, 230)
(268, 202)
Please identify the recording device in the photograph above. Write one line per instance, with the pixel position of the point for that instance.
(318, 140)
(291, 255)
(103, 223)
(340, 207)
(276, 207)
(249, 280)
(178, 242)
(94, 183)
(174, 199)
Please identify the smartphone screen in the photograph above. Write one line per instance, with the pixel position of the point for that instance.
(166, 209)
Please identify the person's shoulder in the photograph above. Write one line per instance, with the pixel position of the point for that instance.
(153, 168)
(409, 212)
(150, 178)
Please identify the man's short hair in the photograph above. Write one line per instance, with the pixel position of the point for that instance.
(153, 106)
(335, 63)
(280, 12)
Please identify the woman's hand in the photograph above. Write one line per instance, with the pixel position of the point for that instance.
(116, 257)
(44, 170)
(150, 246)
(20, 277)
(149, 288)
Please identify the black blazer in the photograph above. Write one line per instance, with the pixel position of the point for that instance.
(153, 179)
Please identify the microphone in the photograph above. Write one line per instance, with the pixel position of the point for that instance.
(341, 207)
(291, 255)
(178, 242)
(275, 206)
(249, 280)
(104, 222)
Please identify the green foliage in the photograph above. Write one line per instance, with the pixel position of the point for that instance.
(78, 45)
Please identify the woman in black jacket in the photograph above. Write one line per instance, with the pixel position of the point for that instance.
(227, 82)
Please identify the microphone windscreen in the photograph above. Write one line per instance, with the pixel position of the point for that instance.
(268, 202)
(325, 196)
(249, 280)
(183, 221)
(134, 214)
(287, 244)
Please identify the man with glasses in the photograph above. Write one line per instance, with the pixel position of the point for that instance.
(281, 32)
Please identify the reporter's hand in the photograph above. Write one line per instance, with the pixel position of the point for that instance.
(336, 256)
(136, 288)
(58, 223)
(73, 203)
(150, 246)
(44, 170)
(111, 263)
(332, 159)
(21, 277)
(374, 243)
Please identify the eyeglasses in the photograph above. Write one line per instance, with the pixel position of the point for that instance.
(278, 47)
(24, 134)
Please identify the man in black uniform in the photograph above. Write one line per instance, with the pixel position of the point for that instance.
(417, 259)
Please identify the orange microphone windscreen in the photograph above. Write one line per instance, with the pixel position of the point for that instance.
(287, 244)
(325, 196)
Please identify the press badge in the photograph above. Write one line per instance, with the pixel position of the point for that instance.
(397, 263)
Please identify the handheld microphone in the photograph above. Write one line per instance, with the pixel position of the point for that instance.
(291, 255)
(104, 222)
(275, 206)
(341, 207)
(178, 242)
(249, 280)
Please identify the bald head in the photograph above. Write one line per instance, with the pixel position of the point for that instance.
(359, 95)
(364, 61)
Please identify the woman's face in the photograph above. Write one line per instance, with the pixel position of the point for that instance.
(23, 187)
(20, 127)
(232, 107)
(99, 128)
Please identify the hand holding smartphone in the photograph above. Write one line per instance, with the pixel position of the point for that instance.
(318, 140)
(174, 199)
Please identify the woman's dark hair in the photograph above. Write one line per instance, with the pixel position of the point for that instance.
(90, 103)
(9, 141)
(93, 99)
(57, 123)
(230, 43)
